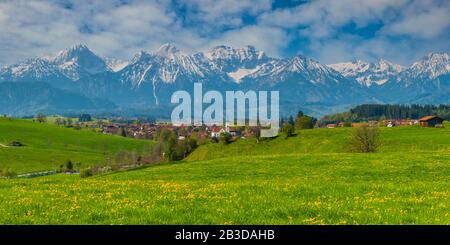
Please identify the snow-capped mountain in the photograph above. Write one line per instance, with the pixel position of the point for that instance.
(32, 69)
(148, 79)
(78, 61)
(69, 64)
(425, 81)
(431, 66)
(115, 64)
(229, 59)
(369, 74)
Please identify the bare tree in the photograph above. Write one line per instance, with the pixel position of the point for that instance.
(365, 139)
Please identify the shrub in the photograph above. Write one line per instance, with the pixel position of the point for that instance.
(8, 173)
(288, 129)
(347, 124)
(69, 166)
(365, 139)
(87, 172)
(225, 138)
(16, 144)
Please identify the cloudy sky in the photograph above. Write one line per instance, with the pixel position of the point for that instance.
(329, 31)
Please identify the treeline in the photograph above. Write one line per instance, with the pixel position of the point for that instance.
(369, 112)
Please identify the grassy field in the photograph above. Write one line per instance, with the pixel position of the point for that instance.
(400, 139)
(308, 179)
(48, 146)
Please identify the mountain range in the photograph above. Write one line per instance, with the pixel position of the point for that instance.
(78, 80)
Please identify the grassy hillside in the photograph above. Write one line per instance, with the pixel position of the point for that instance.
(392, 188)
(324, 140)
(407, 182)
(48, 146)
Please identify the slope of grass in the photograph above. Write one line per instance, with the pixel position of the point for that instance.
(48, 146)
(412, 138)
(308, 179)
(326, 188)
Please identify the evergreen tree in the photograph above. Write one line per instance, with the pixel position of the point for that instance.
(303, 122)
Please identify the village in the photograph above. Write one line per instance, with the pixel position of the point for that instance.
(149, 130)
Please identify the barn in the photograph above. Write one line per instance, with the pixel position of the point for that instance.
(431, 121)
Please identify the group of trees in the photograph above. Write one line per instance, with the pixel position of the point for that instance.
(302, 121)
(70, 167)
(377, 112)
(60, 121)
(173, 148)
(40, 117)
(84, 118)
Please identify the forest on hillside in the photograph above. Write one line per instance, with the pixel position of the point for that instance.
(368, 112)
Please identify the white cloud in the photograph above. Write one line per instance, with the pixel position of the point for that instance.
(223, 13)
(404, 23)
(269, 39)
(422, 19)
(409, 28)
(329, 16)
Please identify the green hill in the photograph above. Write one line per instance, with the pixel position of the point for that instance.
(324, 140)
(308, 179)
(47, 146)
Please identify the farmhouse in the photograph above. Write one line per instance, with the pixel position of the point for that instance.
(216, 131)
(431, 121)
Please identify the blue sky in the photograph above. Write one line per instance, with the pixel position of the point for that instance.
(329, 31)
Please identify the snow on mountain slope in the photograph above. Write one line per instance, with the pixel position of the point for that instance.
(368, 73)
(115, 64)
(150, 78)
(230, 59)
(299, 68)
(78, 61)
(36, 68)
(431, 66)
(241, 73)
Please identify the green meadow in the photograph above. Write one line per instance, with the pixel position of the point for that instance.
(47, 146)
(310, 178)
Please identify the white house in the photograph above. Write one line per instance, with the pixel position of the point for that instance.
(216, 131)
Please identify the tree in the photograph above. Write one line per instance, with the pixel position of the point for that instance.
(41, 118)
(122, 132)
(291, 120)
(303, 122)
(69, 165)
(85, 118)
(192, 141)
(288, 129)
(58, 121)
(225, 138)
(163, 135)
(365, 139)
(170, 148)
